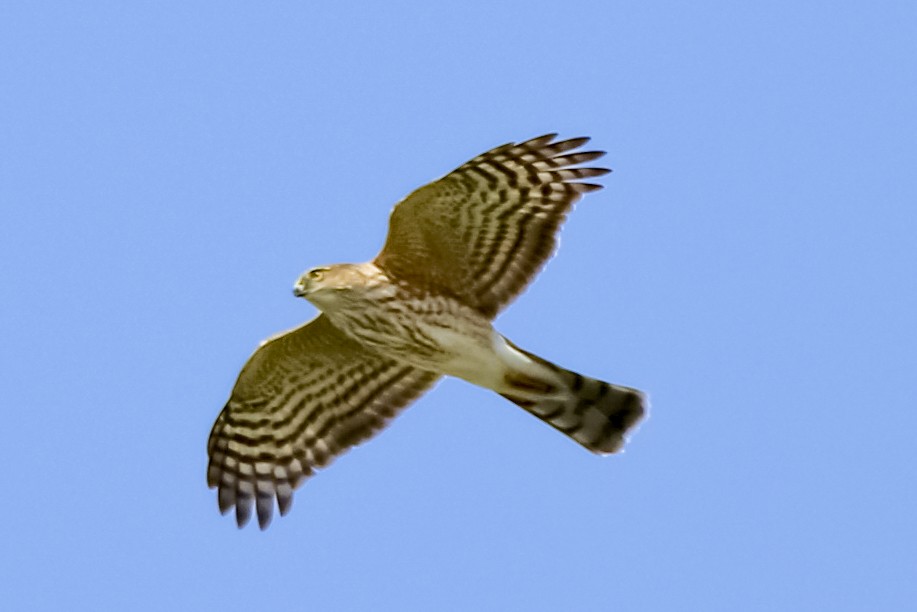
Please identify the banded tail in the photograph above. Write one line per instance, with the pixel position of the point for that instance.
(594, 413)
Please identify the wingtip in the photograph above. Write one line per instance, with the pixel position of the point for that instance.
(575, 143)
(225, 500)
(539, 141)
(284, 498)
(243, 512)
(265, 510)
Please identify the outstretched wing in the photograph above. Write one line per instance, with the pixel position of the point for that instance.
(482, 232)
(303, 398)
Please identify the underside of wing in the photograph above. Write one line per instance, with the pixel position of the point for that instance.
(303, 398)
(482, 232)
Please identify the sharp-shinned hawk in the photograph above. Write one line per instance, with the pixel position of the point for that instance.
(458, 250)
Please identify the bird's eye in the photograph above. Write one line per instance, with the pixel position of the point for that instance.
(316, 274)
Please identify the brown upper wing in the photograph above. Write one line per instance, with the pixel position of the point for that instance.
(482, 232)
(303, 398)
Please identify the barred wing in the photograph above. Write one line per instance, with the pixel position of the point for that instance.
(482, 232)
(303, 398)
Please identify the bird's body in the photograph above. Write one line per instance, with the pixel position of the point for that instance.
(396, 319)
(458, 250)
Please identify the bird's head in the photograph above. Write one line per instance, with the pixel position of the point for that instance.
(311, 281)
(328, 285)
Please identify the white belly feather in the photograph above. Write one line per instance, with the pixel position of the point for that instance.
(486, 364)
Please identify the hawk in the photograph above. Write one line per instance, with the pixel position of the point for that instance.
(458, 251)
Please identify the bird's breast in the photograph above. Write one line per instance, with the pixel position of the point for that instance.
(428, 332)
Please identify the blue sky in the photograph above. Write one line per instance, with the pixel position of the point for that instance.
(167, 170)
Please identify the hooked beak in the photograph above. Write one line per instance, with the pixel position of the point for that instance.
(299, 289)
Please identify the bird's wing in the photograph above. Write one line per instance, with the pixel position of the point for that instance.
(482, 232)
(304, 397)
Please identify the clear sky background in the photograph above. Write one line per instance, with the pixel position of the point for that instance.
(168, 169)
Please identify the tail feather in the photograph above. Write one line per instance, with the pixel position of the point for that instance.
(596, 414)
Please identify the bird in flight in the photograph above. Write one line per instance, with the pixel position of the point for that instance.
(458, 251)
